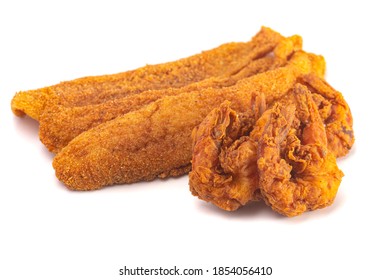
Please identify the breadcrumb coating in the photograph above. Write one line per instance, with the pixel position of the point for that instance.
(156, 139)
(225, 59)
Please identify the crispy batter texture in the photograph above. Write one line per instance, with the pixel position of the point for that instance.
(60, 124)
(296, 170)
(283, 157)
(224, 169)
(335, 112)
(224, 60)
(156, 139)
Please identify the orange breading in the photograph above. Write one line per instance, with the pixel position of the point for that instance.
(296, 170)
(224, 60)
(282, 157)
(60, 124)
(156, 140)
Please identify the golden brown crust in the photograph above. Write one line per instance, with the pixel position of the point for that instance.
(283, 157)
(157, 138)
(223, 60)
(335, 112)
(224, 159)
(297, 171)
(60, 124)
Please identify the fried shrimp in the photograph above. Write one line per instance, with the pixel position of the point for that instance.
(283, 156)
(296, 170)
(60, 124)
(335, 112)
(224, 60)
(224, 170)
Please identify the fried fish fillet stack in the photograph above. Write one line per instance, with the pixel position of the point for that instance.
(60, 124)
(137, 125)
(155, 141)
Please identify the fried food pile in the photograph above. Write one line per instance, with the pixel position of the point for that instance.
(253, 121)
(283, 157)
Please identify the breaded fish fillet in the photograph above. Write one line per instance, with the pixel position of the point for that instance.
(60, 124)
(156, 140)
(225, 60)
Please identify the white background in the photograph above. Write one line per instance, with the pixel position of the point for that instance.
(49, 232)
